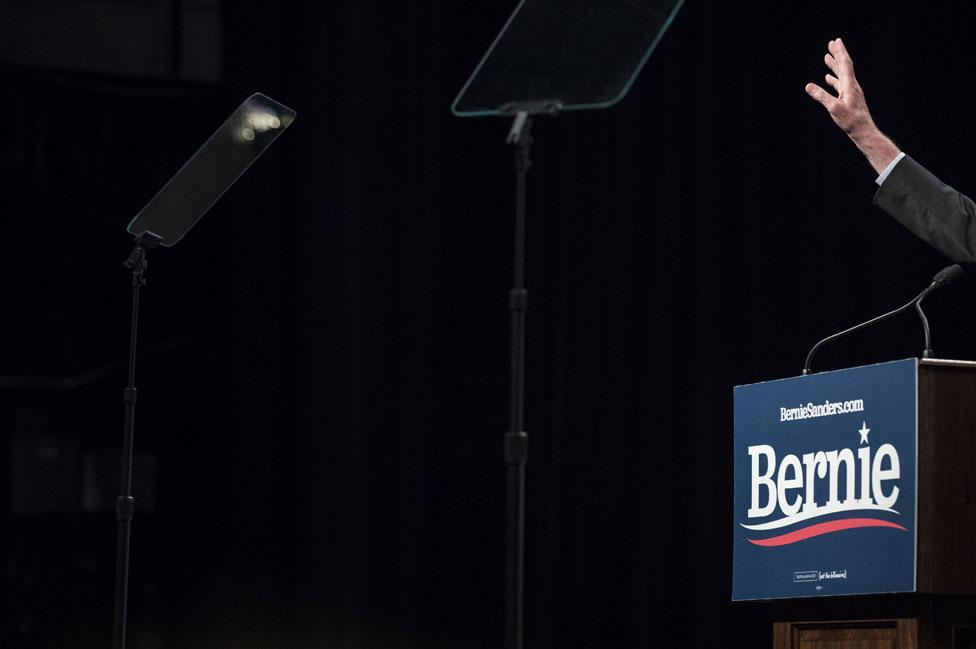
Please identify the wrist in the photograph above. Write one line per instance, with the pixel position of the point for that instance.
(864, 131)
(875, 145)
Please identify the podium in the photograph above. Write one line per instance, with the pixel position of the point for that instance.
(855, 505)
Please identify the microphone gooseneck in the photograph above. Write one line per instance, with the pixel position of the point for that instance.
(943, 277)
(927, 350)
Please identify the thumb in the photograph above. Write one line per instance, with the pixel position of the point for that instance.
(820, 95)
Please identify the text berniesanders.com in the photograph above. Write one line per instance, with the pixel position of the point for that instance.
(825, 409)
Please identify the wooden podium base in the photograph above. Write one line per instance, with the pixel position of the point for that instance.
(916, 622)
(853, 634)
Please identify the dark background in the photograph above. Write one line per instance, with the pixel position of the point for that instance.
(324, 361)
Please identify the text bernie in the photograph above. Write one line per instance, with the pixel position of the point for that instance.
(796, 483)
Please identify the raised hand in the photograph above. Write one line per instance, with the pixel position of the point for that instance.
(849, 109)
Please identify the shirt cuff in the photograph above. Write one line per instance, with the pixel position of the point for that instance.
(887, 170)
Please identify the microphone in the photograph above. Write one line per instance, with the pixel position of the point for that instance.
(943, 277)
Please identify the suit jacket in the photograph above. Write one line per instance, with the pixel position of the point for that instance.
(931, 209)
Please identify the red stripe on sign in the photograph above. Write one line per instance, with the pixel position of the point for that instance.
(824, 528)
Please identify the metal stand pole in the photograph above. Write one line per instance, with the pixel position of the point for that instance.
(516, 439)
(125, 504)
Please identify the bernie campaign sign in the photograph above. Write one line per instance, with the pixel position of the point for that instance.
(825, 477)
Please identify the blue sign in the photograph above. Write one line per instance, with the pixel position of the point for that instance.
(825, 484)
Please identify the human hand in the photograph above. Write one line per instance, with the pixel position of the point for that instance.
(849, 109)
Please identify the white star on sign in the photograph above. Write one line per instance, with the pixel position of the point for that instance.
(864, 430)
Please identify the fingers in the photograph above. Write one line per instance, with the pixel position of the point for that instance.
(826, 99)
(841, 57)
(839, 50)
(832, 81)
(833, 65)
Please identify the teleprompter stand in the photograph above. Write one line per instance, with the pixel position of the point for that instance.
(125, 503)
(217, 165)
(516, 439)
(543, 62)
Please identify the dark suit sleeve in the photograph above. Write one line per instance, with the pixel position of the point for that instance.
(932, 210)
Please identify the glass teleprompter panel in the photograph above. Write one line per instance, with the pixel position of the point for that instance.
(217, 165)
(555, 55)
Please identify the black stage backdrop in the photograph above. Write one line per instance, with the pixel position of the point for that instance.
(324, 377)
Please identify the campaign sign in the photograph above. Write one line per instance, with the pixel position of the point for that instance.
(825, 484)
